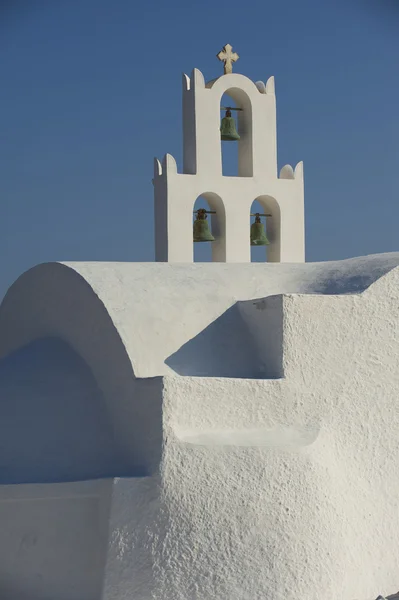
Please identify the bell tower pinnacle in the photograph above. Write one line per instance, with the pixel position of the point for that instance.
(230, 198)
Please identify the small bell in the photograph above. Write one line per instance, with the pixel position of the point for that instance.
(201, 232)
(228, 128)
(258, 234)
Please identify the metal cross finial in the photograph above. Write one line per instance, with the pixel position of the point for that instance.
(228, 57)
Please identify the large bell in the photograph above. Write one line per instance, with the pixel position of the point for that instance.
(228, 129)
(201, 231)
(258, 234)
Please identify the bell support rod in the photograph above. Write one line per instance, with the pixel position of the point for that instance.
(230, 108)
(260, 215)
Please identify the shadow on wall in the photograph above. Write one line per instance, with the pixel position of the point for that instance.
(223, 349)
(54, 424)
(337, 283)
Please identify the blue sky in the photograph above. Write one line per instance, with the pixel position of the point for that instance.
(91, 92)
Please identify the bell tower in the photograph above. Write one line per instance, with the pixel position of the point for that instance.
(230, 198)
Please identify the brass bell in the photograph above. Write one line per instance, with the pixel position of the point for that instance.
(228, 128)
(201, 231)
(258, 234)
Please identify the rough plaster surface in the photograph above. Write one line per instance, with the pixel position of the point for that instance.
(276, 477)
(53, 540)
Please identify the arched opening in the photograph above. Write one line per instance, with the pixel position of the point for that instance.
(55, 430)
(209, 237)
(237, 155)
(229, 149)
(265, 238)
(54, 423)
(258, 244)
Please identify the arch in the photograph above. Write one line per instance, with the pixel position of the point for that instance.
(218, 224)
(221, 84)
(229, 150)
(244, 118)
(258, 253)
(54, 300)
(241, 89)
(273, 226)
(202, 252)
(54, 425)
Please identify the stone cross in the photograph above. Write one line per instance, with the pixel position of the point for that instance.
(228, 57)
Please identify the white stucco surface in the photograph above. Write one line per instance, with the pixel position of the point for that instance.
(280, 194)
(242, 431)
(53, 541)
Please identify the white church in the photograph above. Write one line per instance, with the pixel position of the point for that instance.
(204, 431)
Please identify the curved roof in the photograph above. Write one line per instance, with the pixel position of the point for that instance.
(128, 318)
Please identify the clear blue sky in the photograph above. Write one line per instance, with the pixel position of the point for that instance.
(91, 91)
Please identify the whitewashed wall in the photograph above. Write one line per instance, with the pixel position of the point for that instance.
(281, 195)
(255, 419)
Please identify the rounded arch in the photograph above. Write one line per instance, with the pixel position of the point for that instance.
(233, 81)
(244, 118)
(242, 90)
(54, 424)
(218, 224)
(273, 226)
(229, 150)
(55, 300)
